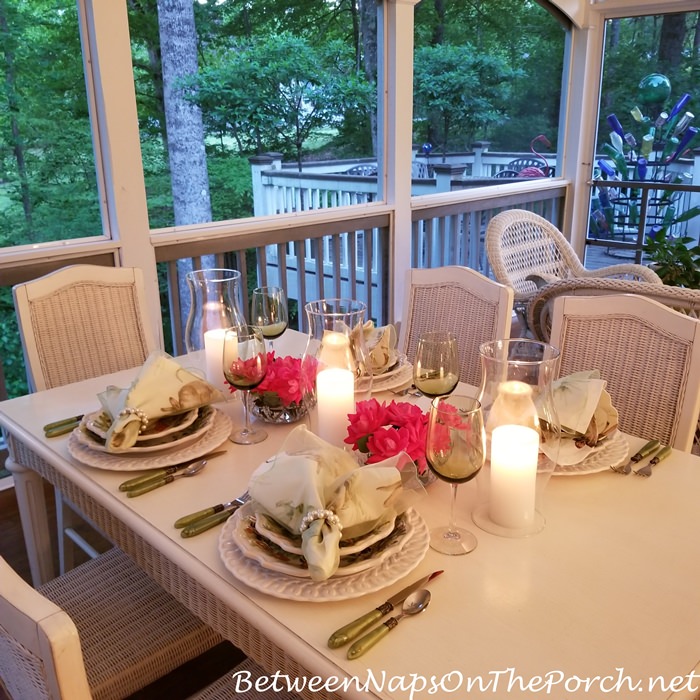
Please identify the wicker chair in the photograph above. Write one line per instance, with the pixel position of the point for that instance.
(79, 322)
(648, 353)
(459, 299)
(103, 630)
(526, 251)
(539, 316)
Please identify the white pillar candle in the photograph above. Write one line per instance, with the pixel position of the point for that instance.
(514, 453)
(335, 399)
(214, 356)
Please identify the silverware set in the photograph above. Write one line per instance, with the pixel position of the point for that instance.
(415, 599)
(653, 448)
(202, 520)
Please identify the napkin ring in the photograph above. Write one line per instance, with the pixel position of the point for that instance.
(136, 412)
(320, 514)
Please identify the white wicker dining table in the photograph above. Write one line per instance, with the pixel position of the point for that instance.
(604, 602)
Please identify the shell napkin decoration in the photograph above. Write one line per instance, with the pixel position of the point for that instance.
(162, 388)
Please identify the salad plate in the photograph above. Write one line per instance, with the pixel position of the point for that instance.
(270, 529)
(168, 439)
(210, 439)
(272, 557)
(99, 422)
(280, 585)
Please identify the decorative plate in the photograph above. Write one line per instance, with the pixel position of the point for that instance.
(272, 557)
(98, 422)
(612, 453)
(270, 529)
(210, 439)
(171, 439)
(399, 377)
(280, 585)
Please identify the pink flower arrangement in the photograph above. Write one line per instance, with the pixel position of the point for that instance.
(382, 431)
(284, 383)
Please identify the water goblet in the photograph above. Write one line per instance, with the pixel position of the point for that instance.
(245, 366)
(455, 451)
(436, 365)
(269, 312)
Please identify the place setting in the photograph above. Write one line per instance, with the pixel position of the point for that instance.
(165, 417)
(317, 525)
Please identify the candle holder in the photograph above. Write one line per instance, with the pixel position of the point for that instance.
(336, 355)
(214, 307)
(522, 435)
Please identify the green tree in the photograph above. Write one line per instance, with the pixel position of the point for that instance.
(456, 85)
(281, 91)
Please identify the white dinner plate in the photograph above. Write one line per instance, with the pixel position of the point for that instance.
(273, 558)
(216, 435)
(280, 585)
(613, 452)
(169, 440)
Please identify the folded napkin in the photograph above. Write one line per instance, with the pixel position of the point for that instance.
(586, 414)
(381, 346)
(162, 388)
(319, 491)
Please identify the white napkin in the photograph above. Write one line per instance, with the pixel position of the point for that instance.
(319, 491)
(163, 387)
(586, 414)
(381, 346)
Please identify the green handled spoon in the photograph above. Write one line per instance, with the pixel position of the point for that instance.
(415, 603)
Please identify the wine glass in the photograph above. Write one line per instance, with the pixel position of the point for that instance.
(245, 365)
(455, 451)
(436, 365)
(269, 312)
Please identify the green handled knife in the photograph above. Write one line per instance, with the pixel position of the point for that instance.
(355, 628)
(192, 518)
(61, 427)
(206, 523)
(159, 474)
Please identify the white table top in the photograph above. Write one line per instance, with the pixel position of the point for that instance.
(610, 588)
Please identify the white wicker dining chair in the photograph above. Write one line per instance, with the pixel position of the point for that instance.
(648, 353)
(459, 299)
(102, 631)
(79, 322)
(525, 251)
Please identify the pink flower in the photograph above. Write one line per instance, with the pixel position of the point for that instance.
(285, 381)
(382, 431)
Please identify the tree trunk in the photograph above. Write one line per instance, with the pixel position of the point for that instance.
(183, 119)
(671, 41)
(368, 35)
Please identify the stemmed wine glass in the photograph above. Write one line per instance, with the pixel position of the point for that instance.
(269, 312)
(436, 365)
(455, 451)
(245, 365)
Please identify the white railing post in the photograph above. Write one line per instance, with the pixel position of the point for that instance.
(479, 168)
(445, 173)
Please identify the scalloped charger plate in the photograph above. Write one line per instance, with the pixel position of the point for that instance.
(280, 585)
(612, 453)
